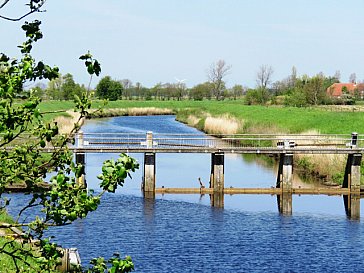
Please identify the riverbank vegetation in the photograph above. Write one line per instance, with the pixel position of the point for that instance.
(326, 120)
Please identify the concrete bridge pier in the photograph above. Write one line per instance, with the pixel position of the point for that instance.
(352, 206)
(284, 182)
(148, 185)
(217, 179)
(284, 201)
(217, 200)
(285, 172)
(352, 173)
(80, 158)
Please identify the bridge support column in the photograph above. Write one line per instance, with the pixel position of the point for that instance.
(217, 179)
(149, 175)
(217, 199)
(81, 159)
(352, 173)
(285, 172)
(284, 201)
(352, 206)
(217, 172)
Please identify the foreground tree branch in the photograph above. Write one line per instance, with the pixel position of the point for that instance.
(34, 7)
(63, 201)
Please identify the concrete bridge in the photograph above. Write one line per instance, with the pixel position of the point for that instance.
(283, 146)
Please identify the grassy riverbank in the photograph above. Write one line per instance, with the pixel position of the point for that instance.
(255, 118)
(235, 117)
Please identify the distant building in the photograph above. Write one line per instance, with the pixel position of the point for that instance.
(337, 90)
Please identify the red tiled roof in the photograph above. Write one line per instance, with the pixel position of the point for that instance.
(336, 89)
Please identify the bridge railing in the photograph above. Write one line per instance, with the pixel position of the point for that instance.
(200, 141)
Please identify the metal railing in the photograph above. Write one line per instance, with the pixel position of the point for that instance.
(201, 143)
(198, 141)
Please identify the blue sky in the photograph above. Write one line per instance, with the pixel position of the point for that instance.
(151, 41)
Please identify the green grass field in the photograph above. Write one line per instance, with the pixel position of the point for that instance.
(286, 119)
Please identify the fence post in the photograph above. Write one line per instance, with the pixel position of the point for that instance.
(285, 172)
(354, 139)
(149, 139)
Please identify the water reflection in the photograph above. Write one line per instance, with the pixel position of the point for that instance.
(148, 210)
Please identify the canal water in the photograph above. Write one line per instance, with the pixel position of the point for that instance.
(183, 233)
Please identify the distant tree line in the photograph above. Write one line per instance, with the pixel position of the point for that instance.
(62, 88)
(65, 88)
(293, 90)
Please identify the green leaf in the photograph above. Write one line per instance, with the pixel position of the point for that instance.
(42, 143)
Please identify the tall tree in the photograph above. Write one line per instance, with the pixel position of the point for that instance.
(314, 90)
(216, 74)
(264, 76)
(237, 91)
(69, 87)
(109, 89)
(54, 87)
(337, 75)
(128, 88)
(180, 88)
(201, 91)
(352, 78)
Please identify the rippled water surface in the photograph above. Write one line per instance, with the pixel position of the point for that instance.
(182, 233)
(173, 236)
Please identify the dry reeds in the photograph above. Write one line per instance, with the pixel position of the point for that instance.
(134, 111)
(222, 125)
(67, 123)
(323, 165)
(193, 120)
(148, 111)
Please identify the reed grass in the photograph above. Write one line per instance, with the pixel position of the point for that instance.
(132, 111)
(67, 122)
(222, 125)
(326, 166)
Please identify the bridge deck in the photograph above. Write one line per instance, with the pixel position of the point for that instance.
(233, 150)
(198, 143)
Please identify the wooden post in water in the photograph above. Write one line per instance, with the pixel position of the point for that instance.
(81, 159)
(285, 172)
(149, 169)
(217, 179)
(352, 173)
